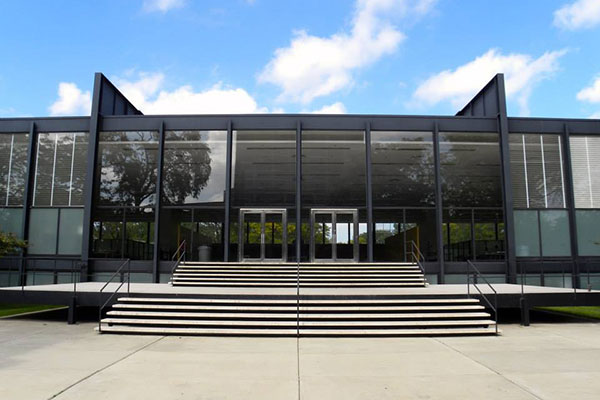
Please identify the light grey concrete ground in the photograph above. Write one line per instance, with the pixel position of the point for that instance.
(49, 359)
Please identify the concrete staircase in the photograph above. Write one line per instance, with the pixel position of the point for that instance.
(308, 316)
(309, 275)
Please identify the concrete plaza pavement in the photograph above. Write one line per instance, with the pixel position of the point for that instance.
(45, 358)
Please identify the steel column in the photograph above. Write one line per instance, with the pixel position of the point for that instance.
(31, 146)
(157, 205)
(370, 235)
(88, 192)
(570, 204)
(507, 197)
(228, 193)
(298, 191)
(438, 202)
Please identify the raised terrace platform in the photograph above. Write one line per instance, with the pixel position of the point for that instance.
(169, 309)
(87, 293)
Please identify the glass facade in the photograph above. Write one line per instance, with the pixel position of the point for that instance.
(334, 190)
(537, 172)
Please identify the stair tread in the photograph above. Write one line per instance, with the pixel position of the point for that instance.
(365, 324)
(361, 316)
(293, 284)
(294, 279)
(294, 275)
(294, 308)
(303, 332)
(294, 301)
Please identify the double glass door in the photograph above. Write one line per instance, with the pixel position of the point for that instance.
(334, 235)
(263, 234)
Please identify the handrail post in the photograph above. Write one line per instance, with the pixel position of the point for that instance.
(128, 276)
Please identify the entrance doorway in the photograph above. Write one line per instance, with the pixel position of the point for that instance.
(263, 235)
(334, 235)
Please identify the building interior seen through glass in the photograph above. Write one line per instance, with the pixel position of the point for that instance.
(471, 180)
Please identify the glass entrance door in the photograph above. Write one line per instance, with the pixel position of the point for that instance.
(264, 235)
(334, 235)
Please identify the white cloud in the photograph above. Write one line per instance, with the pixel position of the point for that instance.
(148, 95)
(335, 108)
(591, 93)
(71, 100)
(581, 14)
(313, 66)
(162, 5)
(521, 72)
(595, 115)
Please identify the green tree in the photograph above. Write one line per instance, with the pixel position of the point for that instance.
(10, 244)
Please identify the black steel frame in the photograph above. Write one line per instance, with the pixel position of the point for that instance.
(485, 113)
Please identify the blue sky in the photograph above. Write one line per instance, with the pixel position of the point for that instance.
(242, 56)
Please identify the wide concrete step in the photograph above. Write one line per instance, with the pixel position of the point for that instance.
(293, 324)
(303, 302)
(294, 279)
(277, 274)
(303, 332)
(301, 315)
(292, 308)
(293, 265)
(303, 284)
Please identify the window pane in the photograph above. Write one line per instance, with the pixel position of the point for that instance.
(13, 168)
(555, 233)
(333, 169)
(457, 235)
(527, 233)
(588, 232)
(11, 220)
(42, 231)
(585, 161)
(128, 162)
(402, 168)
(470, 170)
(70, 231)
(194, 167)
(420, 227)
(139, 228)
(536, 171)
(489, 235)
(108, 238)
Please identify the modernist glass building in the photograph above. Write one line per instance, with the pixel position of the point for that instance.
(513, 195)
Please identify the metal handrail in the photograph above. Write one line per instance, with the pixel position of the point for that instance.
(417, 256)
(477, 274)
(118, 271)
(179, 258)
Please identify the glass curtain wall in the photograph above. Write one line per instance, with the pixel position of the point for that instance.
(471, 178)
(13, 173)
(123, 225)
(403, 187)
(193, 194)
(56, 219)
(333, 176)
(585, 164)
(537, 174)
(263, 176)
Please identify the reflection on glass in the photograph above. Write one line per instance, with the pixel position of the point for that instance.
(536, 171)
(402, 168)
(333, 170)
(273, 236)
(588, 234)
(60, 169)
(252, 235)
(470, 170)
(194, 167)
(527, 233)
(585, 161)
(13, 168)
(555, 233)
(127, 165)
(323, 236)
(263, 171)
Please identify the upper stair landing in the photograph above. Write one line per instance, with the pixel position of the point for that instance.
(333, 275)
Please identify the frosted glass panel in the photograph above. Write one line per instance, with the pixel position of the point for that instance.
(42, 231)
(11, 220)
(526, 233)
(70, 230)
(588, 232)
(555, 233)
